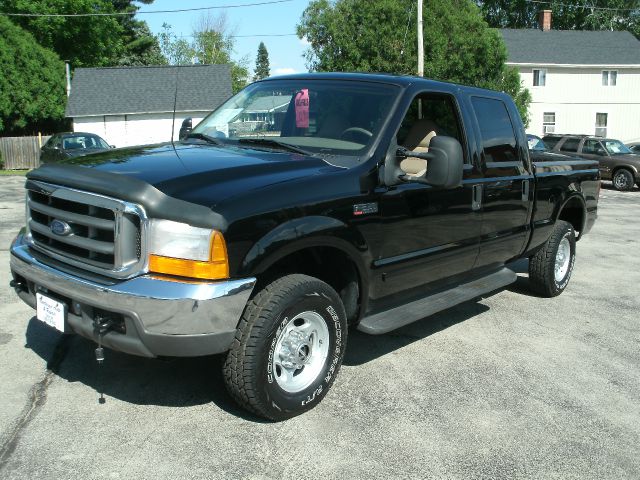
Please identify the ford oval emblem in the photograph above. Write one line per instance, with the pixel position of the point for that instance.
(60, 228)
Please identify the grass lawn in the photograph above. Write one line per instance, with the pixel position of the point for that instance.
(12, 172)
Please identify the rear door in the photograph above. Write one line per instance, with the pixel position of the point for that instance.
(507, 181)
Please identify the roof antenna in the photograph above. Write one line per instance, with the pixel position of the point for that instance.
(175, 103)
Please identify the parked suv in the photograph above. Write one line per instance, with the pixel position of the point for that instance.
(617, 162)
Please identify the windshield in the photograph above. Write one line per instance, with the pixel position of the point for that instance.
(325, 118)
(616, 147)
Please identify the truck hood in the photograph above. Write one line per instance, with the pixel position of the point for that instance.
(204, 174)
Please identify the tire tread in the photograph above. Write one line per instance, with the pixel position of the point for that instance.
(241, 365)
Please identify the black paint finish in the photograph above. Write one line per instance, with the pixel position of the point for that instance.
(401, 238)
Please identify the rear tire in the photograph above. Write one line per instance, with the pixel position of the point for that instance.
(551, 267)
(288, 348)
(623, 180)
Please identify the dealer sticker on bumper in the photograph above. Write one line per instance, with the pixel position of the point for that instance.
(51, 312)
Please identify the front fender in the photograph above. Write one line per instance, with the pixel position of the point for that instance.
(306, 232)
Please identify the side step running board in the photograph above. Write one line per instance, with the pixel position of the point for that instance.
(384, 322)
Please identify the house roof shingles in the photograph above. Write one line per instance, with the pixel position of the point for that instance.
(571, 47)
(127, 90)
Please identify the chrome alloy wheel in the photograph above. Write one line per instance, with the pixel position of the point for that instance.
(301, 352)
(563, 259)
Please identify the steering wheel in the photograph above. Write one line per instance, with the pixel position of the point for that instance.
(356, 131)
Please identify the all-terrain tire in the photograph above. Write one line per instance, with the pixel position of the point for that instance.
(545, 276)
(270, 325)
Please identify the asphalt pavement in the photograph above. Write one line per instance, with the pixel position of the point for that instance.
(509, 386)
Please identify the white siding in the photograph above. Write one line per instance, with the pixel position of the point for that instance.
(575, 95)
(135, 129)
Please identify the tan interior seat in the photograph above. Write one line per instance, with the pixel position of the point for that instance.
(418, 140)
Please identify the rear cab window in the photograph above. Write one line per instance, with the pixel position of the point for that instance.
(496, 129)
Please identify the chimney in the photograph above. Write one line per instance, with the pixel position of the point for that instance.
(544, 20)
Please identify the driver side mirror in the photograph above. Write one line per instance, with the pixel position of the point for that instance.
(601, 152)
(444, 163)
(185, 129)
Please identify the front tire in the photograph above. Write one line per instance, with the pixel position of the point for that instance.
(551, 267)
(623, 180)
(288, 348)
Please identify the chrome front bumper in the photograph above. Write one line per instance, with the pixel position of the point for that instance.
(160, 317)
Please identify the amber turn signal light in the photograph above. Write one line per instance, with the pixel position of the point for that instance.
(216, 268)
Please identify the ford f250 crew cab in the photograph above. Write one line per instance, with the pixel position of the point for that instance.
(301, 207)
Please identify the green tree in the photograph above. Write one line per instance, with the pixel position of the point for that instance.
(567, 14)
(176, 50)
(89, 41)
(141, 48)
(212, 43)
(262, 63)
(379, 36)
(32, 84)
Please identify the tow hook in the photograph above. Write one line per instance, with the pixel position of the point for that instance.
(101, 326)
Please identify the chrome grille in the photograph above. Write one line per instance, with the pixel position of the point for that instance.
(100, 234)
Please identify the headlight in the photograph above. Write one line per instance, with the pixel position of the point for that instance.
(180, 249)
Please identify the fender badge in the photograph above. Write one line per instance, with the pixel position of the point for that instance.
(365, 209)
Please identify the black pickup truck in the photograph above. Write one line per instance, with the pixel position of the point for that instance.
(301, 207)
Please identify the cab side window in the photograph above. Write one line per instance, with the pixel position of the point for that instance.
(428, 116)
(498, 137)
(591, 147)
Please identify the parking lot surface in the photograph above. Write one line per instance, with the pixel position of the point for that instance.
(508, 386)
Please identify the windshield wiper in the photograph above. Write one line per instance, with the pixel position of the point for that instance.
(206, 138)
(268, 142)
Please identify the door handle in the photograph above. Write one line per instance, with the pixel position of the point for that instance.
(525, 190)
(476, 200)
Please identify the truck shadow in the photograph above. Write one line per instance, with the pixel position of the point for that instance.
(363, 348)
(185, 382)
(175, 382)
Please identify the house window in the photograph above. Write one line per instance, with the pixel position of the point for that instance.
(549, 122)
(539, 77)
(601, 124)
(609, 78)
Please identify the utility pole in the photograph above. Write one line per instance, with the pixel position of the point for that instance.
(68, 72)
(420, 42)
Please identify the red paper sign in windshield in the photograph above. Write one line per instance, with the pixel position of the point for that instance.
(302, 108)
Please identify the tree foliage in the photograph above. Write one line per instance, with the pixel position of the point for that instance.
(32, 83)
(212, 43)
(379, 36)
(567, 14)
(89, 41)
(262, 63)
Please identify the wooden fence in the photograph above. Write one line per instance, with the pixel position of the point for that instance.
(21, 152)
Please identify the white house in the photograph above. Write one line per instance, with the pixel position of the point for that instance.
(581, 82)
(135, 105)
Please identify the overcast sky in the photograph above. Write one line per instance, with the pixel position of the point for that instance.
(285, 53)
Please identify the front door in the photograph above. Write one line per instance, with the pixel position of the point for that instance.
(428, 234)
(593, 149)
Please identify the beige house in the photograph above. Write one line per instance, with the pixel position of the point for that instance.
(581, 82)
